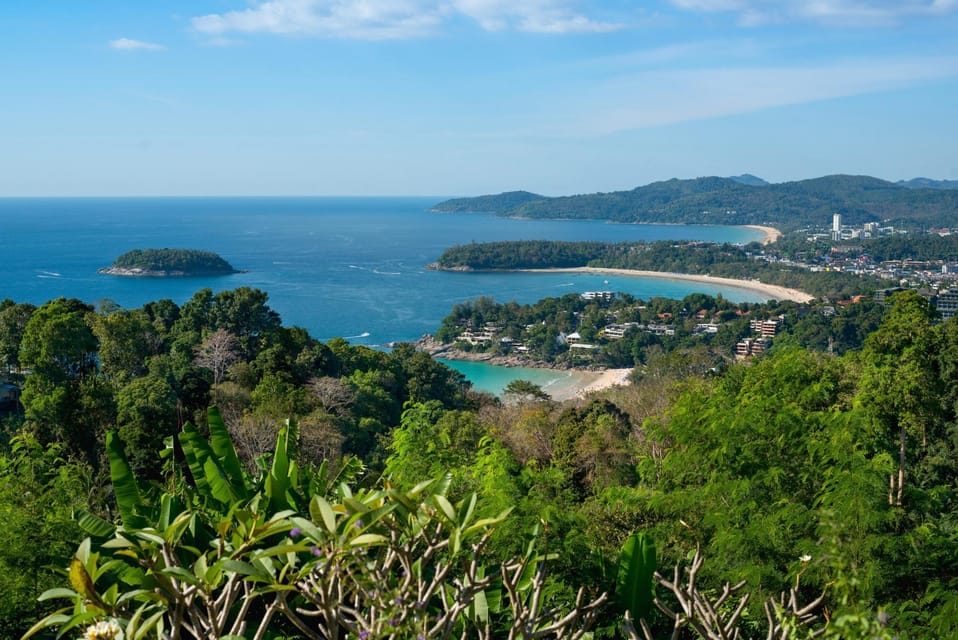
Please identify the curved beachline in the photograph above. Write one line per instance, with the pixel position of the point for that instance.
(771, 290)
(771, 234)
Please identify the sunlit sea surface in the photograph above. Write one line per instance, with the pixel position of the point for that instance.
(349, 267)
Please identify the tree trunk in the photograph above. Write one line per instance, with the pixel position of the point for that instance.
(901, 465)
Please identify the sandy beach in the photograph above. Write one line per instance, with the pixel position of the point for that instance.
(771, 233)
(589, 381)
(770, 290)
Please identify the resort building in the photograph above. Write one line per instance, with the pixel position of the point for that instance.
(604, 296)
(748, 348)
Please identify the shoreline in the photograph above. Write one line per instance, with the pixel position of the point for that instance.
(578, 382)
(771, 234)
(771, 290)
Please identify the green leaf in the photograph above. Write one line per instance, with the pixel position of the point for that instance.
(148, 625)
(319, 509)
(349, 470)
(124, 483)
(220, 484)
(634, 582)
(247, 569)
(196, 451)
(93, 524)
(222, 445)
(367, 539)
(479, 609)
(50, 594)
(182, 574)
(446, 508)
(277, 482)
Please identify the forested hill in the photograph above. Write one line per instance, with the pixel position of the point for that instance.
(500, 203)
(169, 262)
(787, 205)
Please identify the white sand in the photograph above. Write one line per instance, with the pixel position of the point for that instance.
(771, 233)
(769, 290)
(579, 383)
(609, 378)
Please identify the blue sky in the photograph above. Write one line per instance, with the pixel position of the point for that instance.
(462, 97)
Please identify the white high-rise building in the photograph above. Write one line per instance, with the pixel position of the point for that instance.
(836, 226)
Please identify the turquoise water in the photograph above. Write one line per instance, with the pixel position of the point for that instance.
(350, 267)
(494, 379)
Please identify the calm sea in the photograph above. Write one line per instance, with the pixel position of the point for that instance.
(350, 267)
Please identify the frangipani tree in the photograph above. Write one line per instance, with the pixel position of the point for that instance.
(224, 555)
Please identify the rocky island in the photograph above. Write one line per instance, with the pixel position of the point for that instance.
(168, 263)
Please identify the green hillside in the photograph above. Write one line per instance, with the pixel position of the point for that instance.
(712, 200)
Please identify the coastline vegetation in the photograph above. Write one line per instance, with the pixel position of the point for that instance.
(832, 475)
(702, 258)
(628, 332)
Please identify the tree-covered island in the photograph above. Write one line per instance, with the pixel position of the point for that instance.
(168, 263)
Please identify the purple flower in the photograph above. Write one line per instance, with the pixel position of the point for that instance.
(883, 618)
(359, 524)
(397, 600)
(364, 634)
(420, 637)
(393, 622)
(315, 551)
(294, 532)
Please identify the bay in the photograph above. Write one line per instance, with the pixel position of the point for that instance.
(348, 267)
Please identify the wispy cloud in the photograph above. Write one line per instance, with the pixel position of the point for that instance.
(656, 98)
(396, 19)
(864, 13)
(127, 44)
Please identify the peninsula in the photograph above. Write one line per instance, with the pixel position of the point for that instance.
(168, 263)
(720, 264)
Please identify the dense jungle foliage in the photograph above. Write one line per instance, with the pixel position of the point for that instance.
(703, 258)
(712, 200)
(187, 261)
(911, 247)
(823, 475)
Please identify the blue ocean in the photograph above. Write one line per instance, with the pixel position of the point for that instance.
(348, 267)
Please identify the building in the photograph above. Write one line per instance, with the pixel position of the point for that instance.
(748, 348)
(947, 304)
(617, 331)
(604, 296)
(764, 328)
(660, 329)
(837, 226)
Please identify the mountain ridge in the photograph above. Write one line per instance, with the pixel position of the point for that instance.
(730, 201)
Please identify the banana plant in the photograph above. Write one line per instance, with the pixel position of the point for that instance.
(635, 580)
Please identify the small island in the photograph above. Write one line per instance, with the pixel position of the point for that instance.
(168, 263)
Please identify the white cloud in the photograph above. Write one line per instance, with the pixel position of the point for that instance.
(542, 16)
(840, 12)
(657, 98)
(395, 19)
(126, 44)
